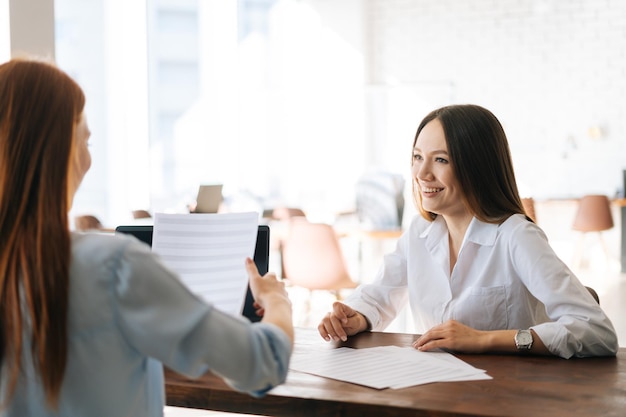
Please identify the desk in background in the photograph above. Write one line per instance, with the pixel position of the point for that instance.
(521, 386)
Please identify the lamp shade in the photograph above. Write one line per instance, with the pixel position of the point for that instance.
(594, 214)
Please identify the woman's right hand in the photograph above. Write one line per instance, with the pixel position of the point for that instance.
(342, 322)
(271, 299)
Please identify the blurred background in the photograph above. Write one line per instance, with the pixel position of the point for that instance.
(290, 102)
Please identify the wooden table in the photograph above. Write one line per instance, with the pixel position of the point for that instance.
(521, 386)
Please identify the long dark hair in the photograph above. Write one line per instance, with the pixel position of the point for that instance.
(481, 160)
(39, 108)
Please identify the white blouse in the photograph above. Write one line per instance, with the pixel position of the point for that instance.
(506, 277)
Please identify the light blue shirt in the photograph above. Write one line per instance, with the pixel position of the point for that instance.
(506, 277)
(129, 315)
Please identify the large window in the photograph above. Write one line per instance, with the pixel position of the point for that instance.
(290, 101)
(262, 96)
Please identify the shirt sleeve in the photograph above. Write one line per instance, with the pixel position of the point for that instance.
(161, 318)
(578, 326)
(382, 300)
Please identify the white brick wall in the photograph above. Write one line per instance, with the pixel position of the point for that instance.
(549, 69)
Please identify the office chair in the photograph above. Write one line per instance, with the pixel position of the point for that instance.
(286, 213)
(529, 208)
(593, 215)
(87, 222)
(141, 214)
(312, 258)
(594, 294)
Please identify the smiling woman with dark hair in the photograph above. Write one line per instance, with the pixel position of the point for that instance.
(87, 321)
(478, 273)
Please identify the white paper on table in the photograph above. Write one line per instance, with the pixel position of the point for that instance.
(385, 366)
(442, 366)
(208, 252)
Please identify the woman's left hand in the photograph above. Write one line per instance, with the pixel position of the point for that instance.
(454, 336)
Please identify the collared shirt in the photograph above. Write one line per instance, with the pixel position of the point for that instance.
(506, 277)
(128, 316)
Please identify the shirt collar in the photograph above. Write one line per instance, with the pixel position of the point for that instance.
(478, 232)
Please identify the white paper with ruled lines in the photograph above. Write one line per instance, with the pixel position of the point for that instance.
(384, 366)
(208, 252)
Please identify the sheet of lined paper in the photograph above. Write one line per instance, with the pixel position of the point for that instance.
(208, 251)
(384, 366)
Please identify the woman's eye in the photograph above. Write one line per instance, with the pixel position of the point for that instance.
(416, 156)
(444, 161)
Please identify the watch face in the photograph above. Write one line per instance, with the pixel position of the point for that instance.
(524, 339)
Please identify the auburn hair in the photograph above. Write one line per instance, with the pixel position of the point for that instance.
(481, 160)
(40, 107)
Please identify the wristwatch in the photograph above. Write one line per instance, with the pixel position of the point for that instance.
(523, 339)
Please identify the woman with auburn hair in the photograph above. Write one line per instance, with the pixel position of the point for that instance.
(478, 274)
(87, 321)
